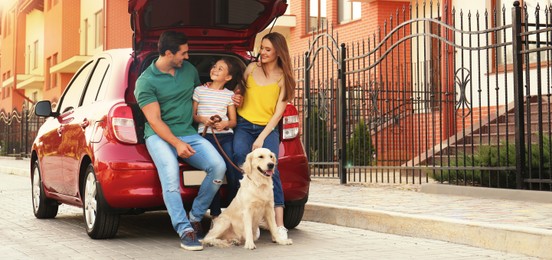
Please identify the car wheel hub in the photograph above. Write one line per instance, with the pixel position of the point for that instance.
(36, 190)
(90, 203)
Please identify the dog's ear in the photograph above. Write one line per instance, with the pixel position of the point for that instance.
(273, 158)
(247, 164)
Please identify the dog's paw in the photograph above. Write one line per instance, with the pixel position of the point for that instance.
(284, 241)
(235, 242)
(249, 245)
(216, 242)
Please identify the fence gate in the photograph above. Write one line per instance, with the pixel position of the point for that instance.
(322, 82)
(432, 96)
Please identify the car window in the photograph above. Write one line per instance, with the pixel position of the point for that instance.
(73, 93)
(239, 14)
(96, 81)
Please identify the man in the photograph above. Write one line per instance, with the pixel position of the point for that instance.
(164, 93)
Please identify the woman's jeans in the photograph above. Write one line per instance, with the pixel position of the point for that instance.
(245, 133)
(206, 158)
(233, 177)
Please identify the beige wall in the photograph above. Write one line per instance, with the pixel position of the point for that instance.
(88, 10)
(34, 33)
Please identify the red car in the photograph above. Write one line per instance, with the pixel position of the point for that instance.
(90, 152)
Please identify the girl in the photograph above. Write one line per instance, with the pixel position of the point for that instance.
(215, 98)
(269, 86)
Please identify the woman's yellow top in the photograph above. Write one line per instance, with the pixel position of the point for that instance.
(259, 102)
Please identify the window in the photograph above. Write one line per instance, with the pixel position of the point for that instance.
(98, 39)
(35, 55)
(73, 94)
(48, 74)
(349, 11)
(54, 76)
(531, 9)
(316, 15)
(10, 22)
(85, 36)
(93, 91)
(28, 55)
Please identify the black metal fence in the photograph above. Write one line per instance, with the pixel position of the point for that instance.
(456, 97)
(17, 131)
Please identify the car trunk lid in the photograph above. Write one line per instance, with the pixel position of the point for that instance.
(209, 24)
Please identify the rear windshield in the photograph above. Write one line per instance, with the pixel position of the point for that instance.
(234, 14)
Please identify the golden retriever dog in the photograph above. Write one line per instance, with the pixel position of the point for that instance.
(254, 201)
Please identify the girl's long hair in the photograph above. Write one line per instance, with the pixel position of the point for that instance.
(284, 62)
(235, 69)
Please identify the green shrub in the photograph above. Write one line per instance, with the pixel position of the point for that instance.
(491, 156)
(320, 143)
(360, 150)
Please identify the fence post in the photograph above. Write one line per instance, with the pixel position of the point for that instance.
(27, 131)
(307, 106)
(518, 95)
(342, 139)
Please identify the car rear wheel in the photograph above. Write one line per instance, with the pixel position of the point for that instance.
(42, 206)
(293, 215)
(100, 223)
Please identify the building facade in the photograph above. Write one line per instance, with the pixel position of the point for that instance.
(44, 42)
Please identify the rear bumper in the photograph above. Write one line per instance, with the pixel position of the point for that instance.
(129, 178)
(136, 185)
(294, 173)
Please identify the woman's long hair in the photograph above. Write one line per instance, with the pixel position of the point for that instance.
(284, 62)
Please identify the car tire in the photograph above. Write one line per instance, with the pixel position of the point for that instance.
(293, 215)
(42, 207)
(99, 222)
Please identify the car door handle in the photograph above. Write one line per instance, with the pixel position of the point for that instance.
(84, 123)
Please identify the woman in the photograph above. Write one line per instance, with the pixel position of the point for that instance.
(269, 86)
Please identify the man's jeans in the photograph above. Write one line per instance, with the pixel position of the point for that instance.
(245, 133)
(206, 158)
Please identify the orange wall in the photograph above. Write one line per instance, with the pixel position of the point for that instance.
(415, 134)
(118, 32)
(15, 100)
(348, 32)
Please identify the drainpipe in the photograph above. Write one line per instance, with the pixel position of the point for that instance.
(15, 28)
(104, 29)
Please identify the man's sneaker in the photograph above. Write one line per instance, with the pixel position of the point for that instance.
(190, 242)
(198, 228)
(282, 233)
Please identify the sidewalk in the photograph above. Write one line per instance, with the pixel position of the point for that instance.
(516, 226)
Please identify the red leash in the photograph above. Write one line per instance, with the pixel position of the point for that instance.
(216, 119)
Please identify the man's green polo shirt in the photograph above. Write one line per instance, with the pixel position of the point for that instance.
(174, 95)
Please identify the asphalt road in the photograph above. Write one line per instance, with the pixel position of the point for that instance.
(150, 236)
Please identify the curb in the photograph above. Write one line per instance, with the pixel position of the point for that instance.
(527, 241)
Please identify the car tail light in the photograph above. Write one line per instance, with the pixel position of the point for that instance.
(122, 124)
(290, 123)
